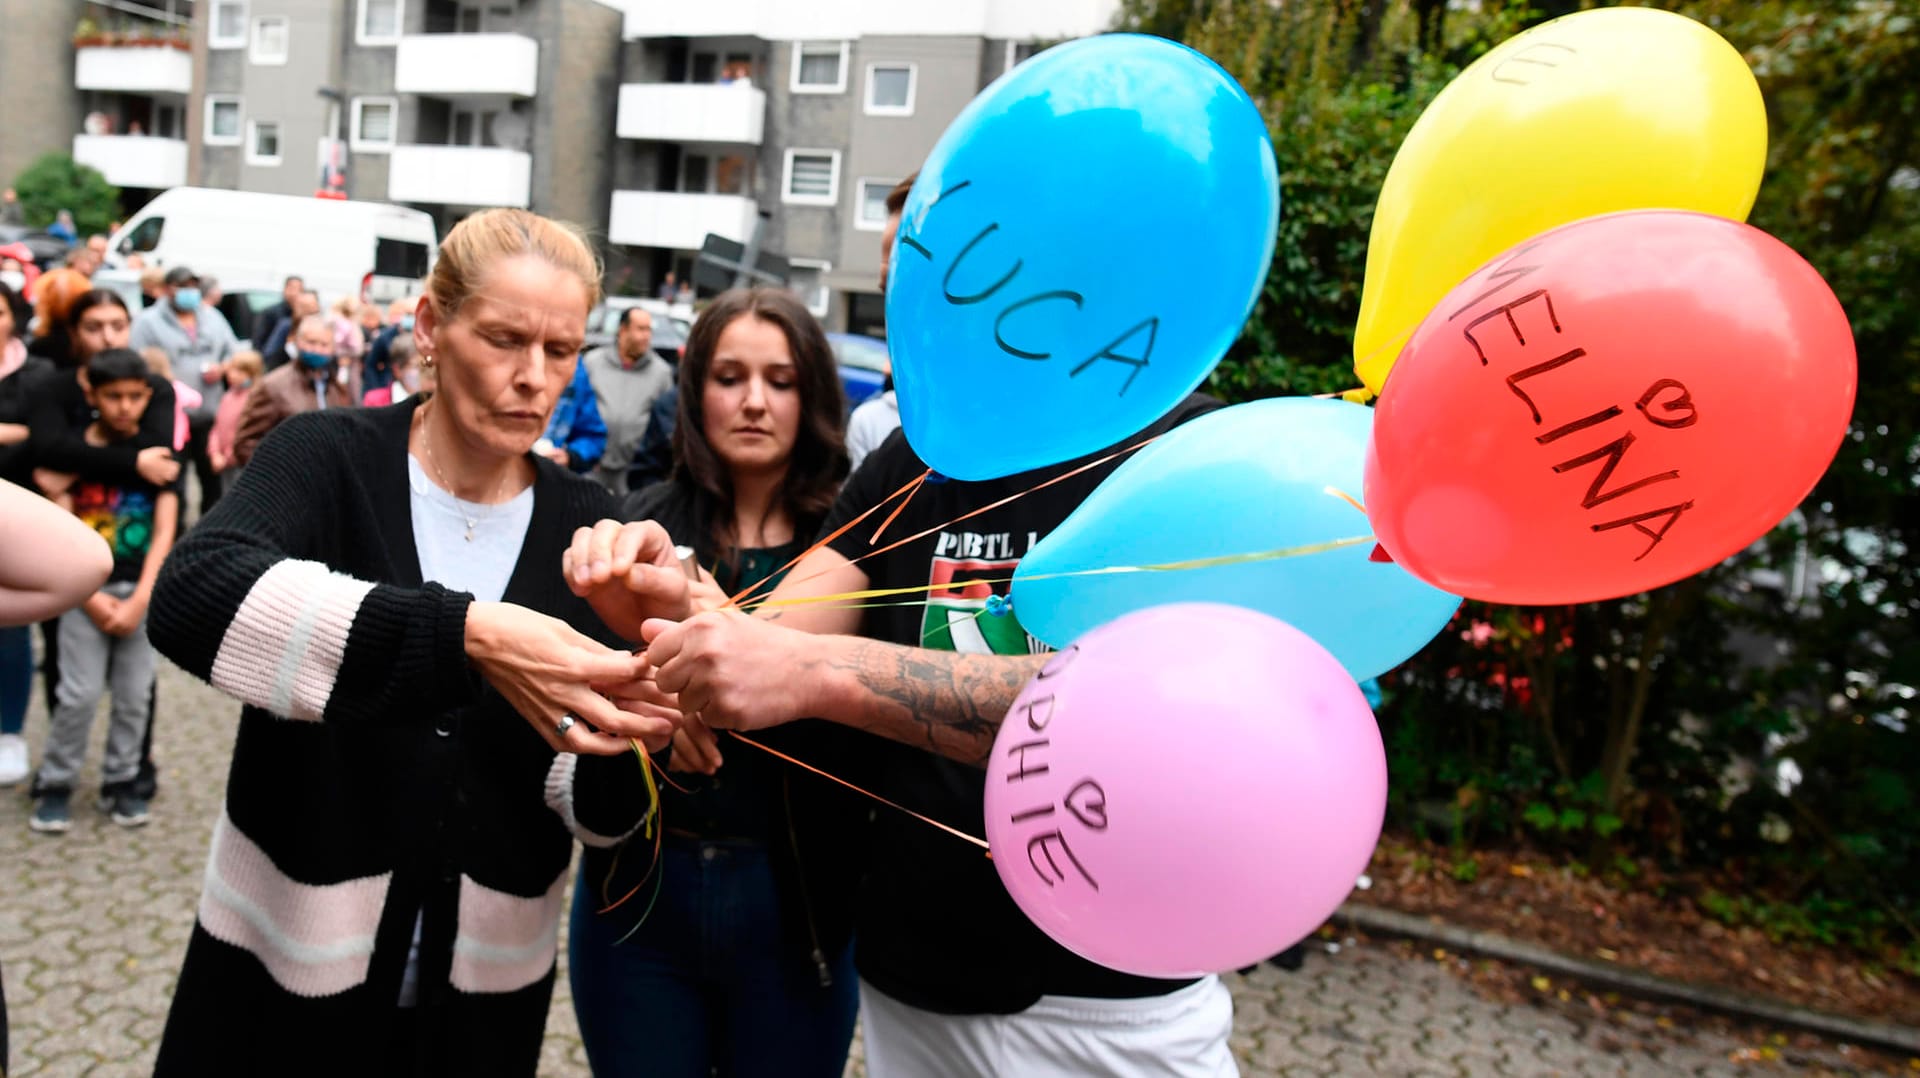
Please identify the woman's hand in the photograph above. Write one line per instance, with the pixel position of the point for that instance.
(627, 573)
(644, 697)
(547, 670)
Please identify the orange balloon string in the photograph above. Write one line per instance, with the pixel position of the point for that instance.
(803, 765)
(907, 490)
(1008, 500)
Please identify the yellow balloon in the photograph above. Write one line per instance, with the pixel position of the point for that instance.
(1609, 109)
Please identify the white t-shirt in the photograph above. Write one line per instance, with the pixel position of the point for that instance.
(480, 566)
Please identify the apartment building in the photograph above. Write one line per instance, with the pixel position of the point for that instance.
(107, 81)
(448, 105)
(796, 119)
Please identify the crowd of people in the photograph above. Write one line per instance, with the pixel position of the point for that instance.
(441, 557)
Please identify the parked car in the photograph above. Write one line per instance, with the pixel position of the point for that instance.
(864, 365)
(670, 326)
(48, 251)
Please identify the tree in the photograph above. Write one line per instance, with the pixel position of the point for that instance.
(57, 182)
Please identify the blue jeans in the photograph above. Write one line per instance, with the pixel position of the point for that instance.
(16, 677)
(711, 983)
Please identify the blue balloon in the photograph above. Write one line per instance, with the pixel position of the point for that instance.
(1255, 477)
(1078, 253)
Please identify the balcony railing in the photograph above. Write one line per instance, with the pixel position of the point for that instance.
(451, 65)
(689, 112)
(460, 175)
(678, 220)
(134, 160)
(133, 69)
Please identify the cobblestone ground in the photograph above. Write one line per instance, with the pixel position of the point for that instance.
(93, 926)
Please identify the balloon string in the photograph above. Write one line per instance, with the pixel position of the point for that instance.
(1112, 570)
(907, 490)
(1345, 497)
(1008, 500)
(898, 509)
(803, 765)
(1363, 394)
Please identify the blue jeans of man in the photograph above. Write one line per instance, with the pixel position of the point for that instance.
(708, 984)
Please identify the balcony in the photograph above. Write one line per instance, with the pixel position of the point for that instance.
(133, 69)
(134, 160)
(460, 175)
(678, 221)
(687, 112)
(451, 65)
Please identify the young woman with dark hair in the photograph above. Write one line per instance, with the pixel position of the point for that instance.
(743, 964)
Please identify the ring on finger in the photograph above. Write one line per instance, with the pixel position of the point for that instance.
(566, 723)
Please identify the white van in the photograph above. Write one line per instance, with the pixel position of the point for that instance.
(254, 241)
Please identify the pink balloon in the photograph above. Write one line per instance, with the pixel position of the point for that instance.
(1187, 789)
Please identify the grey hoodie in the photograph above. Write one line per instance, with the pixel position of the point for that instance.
(210, 344)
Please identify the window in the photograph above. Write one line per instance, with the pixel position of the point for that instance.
(819, 67)
(890, 89)
(222, 120)
(379, 22)
(227, 26)
(870, 204)
(263, 143)
(1019, 52)
(269, 40)
(144, 237)
(373, 124)
(812, 177)
(807, 277)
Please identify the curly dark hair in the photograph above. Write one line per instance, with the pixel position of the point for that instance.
(819, 460)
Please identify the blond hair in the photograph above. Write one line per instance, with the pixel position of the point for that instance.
(480, 242)
(248, 363)
(157, 361)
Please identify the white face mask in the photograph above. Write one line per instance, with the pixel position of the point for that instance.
(14, 279)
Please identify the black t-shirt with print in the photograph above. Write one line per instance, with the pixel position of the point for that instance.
(937, 929)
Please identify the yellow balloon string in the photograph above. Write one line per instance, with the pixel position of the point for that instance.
(1111, 570)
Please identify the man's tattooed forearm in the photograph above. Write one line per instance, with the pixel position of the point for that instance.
(948, 703)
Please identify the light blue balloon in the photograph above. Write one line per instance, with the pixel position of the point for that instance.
(1079, 251)
(1250, 478)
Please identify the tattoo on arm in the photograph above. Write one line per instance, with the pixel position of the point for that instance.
(944, 702)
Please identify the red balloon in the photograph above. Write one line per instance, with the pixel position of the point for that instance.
(1608, 407)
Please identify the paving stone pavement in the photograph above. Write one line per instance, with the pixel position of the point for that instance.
(93, 926)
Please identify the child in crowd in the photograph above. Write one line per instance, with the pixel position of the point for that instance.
(104, 641)
(240, 372)
(185, 397)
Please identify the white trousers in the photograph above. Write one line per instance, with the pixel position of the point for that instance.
(1181, 1035)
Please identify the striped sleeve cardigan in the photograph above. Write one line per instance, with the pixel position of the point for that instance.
(377, 780)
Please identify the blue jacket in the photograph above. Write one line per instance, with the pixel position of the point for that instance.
(576, 425)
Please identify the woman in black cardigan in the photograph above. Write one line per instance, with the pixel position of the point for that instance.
(381, 589)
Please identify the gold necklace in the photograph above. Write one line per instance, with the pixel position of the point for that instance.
(426, 442)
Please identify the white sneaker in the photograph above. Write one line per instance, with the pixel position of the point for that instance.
(13, 759)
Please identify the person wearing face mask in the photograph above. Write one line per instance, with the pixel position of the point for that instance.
(280, 349)
(315, 381)
(13, 273)
(197, 341)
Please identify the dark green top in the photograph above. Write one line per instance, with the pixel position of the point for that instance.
(733, 802)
